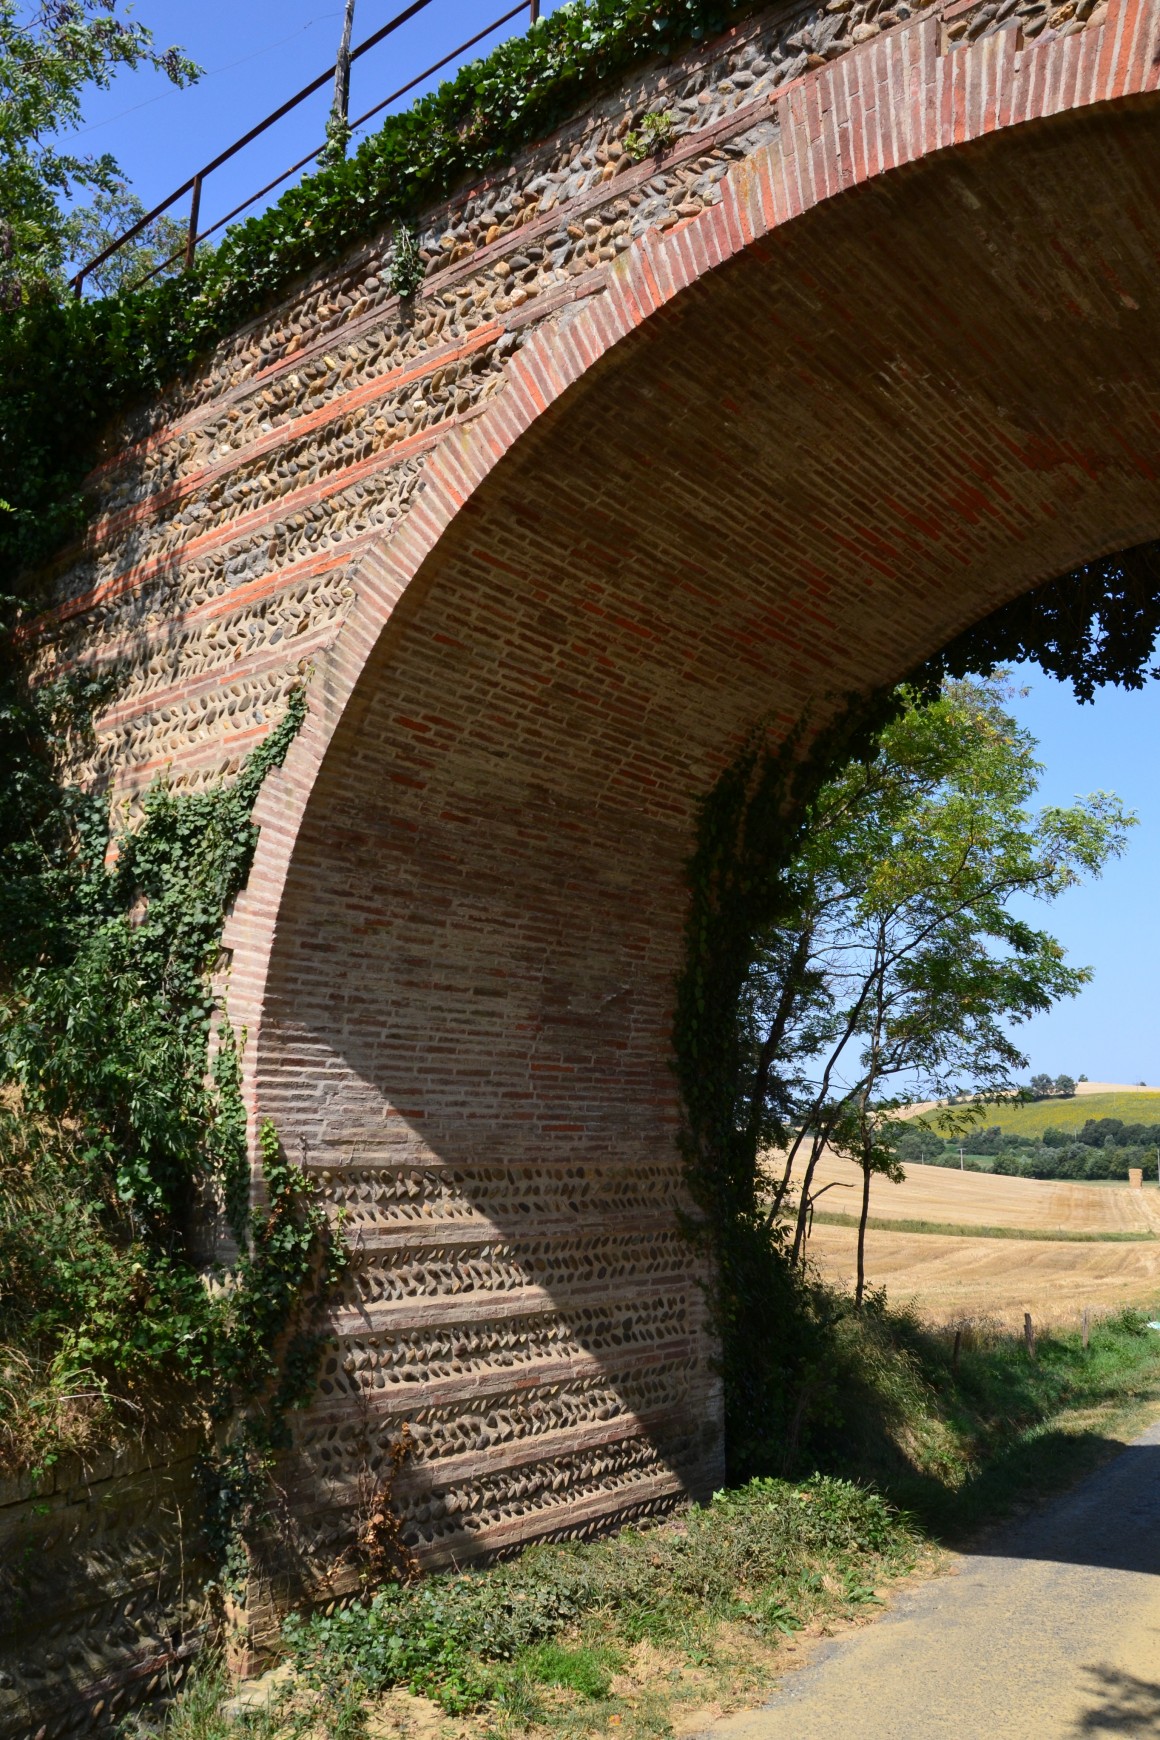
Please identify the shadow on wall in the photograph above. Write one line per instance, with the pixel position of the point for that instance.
(468, 1011)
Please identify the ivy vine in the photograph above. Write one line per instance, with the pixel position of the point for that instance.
(119, 1136)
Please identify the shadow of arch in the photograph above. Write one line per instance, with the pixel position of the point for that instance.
(808, 471)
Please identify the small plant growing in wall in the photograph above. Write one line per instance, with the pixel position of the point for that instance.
(655, 134)
(405, 271)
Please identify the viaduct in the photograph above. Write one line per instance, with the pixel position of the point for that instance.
(661, 449)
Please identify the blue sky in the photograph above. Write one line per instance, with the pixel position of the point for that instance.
(1108, 1032)
(256, 53)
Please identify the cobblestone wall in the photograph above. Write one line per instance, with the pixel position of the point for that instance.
(663, 449)
(102, 1573)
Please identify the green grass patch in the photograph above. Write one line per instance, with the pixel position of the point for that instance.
(585, 1669)
(959, 1447)
(878, 1223)
(766, 1557)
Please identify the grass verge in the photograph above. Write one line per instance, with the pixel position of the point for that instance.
(649, 1633)
(878, 1223)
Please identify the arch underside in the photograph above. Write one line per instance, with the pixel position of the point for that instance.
(799, 478)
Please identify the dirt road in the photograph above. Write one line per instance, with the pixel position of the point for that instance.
(1050, 1631)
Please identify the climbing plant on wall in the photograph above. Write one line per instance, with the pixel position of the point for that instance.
(67, 366)
(115, 1135)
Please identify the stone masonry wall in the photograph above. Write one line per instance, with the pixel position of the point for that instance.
(102, 1570)
(231, 515)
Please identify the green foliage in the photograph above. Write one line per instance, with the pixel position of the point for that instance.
(901, 959)
(50, 54)
(66, 367)
(657, 130)
(1096, 626)
(957, 1444)
(113, 1133)
(1103, 1148)
(1003, 1429)
(406, 269)
(585, 1670)
(765, 1557)
(1139, 1110)
(159, 248)
(108, 1026)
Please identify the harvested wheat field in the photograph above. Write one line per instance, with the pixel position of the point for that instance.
(937, 1193)
(949, 1278)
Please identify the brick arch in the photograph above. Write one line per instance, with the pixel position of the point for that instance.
(920, 463)
(835, 133)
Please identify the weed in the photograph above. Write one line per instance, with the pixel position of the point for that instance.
(698, 1603)
(405, 268)
(655, 133)
(585, 1669)
(772, 1546)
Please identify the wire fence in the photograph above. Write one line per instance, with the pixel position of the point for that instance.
(195, 184)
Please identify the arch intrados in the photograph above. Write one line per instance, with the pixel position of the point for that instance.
(561, 360)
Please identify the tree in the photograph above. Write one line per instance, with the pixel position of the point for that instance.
(1064, 1087)
(1042, 1087)
(902, 964)
(47, 62)
(156, 251)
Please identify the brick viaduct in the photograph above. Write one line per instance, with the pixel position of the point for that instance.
(661, 449)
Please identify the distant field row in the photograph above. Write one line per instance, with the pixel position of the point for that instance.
(1054, 1235)
(1072, 1114)
(974, 1245)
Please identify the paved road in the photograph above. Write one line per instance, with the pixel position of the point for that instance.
(1051, 1630)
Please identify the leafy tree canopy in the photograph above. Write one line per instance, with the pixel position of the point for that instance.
(903, 963)
(47, 63)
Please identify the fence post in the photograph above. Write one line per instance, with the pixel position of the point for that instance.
(1086, 1327)
(340, 107)
(194, 214)
(1029, 1334)
(534, 10)
(955, 1350)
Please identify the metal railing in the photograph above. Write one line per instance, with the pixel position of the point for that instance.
(194, 185)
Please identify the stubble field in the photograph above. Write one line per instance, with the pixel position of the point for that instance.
(1110, 1259)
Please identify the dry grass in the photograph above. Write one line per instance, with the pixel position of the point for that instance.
(942, 1193)
(948, 1278)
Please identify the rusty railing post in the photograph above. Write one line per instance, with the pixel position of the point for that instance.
(194, 214)
(534, 10)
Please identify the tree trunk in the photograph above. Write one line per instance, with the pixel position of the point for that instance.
(861, 1287)
(799, 1231)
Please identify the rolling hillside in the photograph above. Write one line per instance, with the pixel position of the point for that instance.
(1113, 1262)
(1134, 1106)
